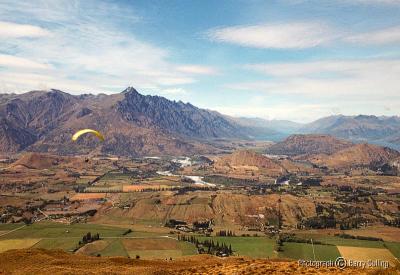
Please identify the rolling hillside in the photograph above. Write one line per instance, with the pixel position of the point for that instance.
(357, 155)
(381, 130)
(296, 145)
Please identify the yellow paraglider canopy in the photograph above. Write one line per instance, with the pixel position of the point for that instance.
(85, 131)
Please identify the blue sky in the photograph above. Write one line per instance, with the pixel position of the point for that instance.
(289, 59)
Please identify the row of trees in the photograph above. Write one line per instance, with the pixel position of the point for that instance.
(321, 222)
(365, 238)
(208, 246)
(226, 233)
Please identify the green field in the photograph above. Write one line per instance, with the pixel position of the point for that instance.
(57, 235)
(394, 248)
(154, 250)
(342, 241)
(257, 247)
(304, 251)
(57, 230)
(9, 226)
(115, 179)
(115, 248)
(187, 248)
(51, 235)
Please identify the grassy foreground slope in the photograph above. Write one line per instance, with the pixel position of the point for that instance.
(38, 261)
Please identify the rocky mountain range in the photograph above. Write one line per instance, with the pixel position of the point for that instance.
(381, 130)
(134, 124)
(138, 125)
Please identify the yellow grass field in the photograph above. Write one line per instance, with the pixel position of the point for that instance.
(150, 244)
(153, 248)
(88, 196)
(134, 188)
(17, 244)
(366, 254)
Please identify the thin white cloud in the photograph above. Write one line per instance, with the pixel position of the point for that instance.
(16, 81)
(328, 79)
(379, 37)
(18, 62)
(295, 35)
(13, 30)
(174, 91)
(300, 35)
(291, 111)
(322, 68)
(170, 81)
(197, 69)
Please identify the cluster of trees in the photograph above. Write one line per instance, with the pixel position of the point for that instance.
(365, 238)
(385, 169)
(172, 223)
(88, 238)
(201, 225)
(319, 222)
(311, 181)
(395, 222)
(208, 246)
(347, 225)
(345, 188)
(279, 245)
(291, 238)
(226, 233)
(79, 188)
(127, 232)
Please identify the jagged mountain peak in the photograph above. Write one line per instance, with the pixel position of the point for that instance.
(130, 90)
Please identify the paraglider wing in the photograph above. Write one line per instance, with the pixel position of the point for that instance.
(85, 131)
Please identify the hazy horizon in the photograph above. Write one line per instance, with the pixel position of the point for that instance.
(291, 60)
